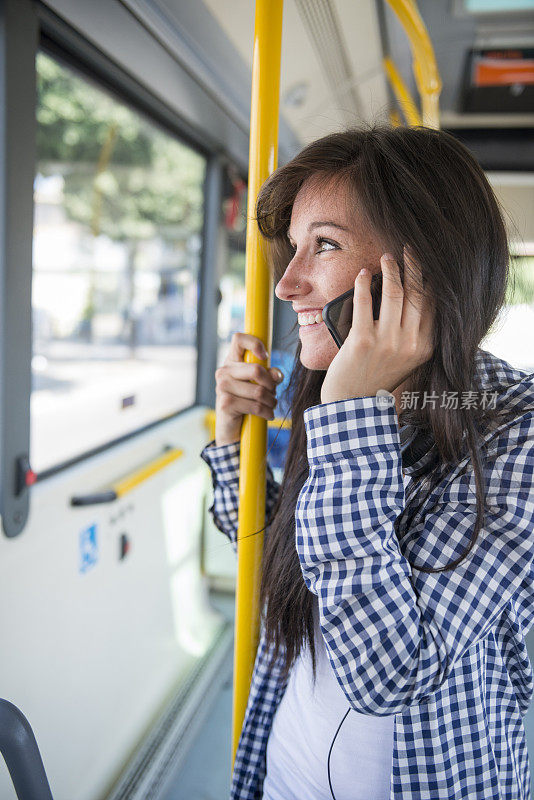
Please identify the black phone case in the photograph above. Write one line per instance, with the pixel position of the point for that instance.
(337, 314)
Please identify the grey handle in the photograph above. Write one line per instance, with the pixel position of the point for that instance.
(21, 754)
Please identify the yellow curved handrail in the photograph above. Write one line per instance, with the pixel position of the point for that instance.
(424, 60)
(402, 93)
(263, 155)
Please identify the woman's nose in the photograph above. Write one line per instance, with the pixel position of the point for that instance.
(290, 284)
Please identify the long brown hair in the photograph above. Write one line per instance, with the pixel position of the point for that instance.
(415, 186)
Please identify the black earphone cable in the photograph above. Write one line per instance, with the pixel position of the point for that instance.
(330, 751)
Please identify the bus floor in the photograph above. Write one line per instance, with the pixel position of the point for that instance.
(205, 773)
(206, 770)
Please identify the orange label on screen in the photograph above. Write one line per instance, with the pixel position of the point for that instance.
(489, 72)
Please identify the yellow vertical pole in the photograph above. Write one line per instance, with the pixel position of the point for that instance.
(258, 321)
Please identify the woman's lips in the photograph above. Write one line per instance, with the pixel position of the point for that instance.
(316, 326)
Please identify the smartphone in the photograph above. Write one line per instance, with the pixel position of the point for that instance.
(337, 314)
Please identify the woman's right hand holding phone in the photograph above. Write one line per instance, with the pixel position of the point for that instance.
(243, 388)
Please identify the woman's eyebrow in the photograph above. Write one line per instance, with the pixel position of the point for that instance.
(323, 224)
(327, 223)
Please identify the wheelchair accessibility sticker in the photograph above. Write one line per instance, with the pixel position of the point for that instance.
(88, 548)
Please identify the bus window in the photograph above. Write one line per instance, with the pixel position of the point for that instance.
(117, 240)
(507, 338)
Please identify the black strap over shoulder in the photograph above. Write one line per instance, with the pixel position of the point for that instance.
(415, 446)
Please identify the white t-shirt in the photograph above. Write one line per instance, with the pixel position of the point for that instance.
(303, 728)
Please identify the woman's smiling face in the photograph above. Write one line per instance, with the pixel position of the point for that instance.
(332, 243)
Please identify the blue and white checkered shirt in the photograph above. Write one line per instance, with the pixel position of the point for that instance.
(445, 652)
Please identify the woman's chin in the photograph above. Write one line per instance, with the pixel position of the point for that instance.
(315, 360)
(318, 349)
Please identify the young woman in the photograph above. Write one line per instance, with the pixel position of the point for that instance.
(397, 591)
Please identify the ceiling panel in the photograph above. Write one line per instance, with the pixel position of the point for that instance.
(324, 107)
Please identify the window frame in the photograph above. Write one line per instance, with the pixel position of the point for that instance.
(69, 48)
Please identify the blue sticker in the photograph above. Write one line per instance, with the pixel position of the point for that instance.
(88, 548)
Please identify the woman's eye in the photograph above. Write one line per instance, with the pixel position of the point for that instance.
(325, 245)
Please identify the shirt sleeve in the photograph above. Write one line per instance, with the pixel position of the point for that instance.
(223, 461)
(393, 635)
